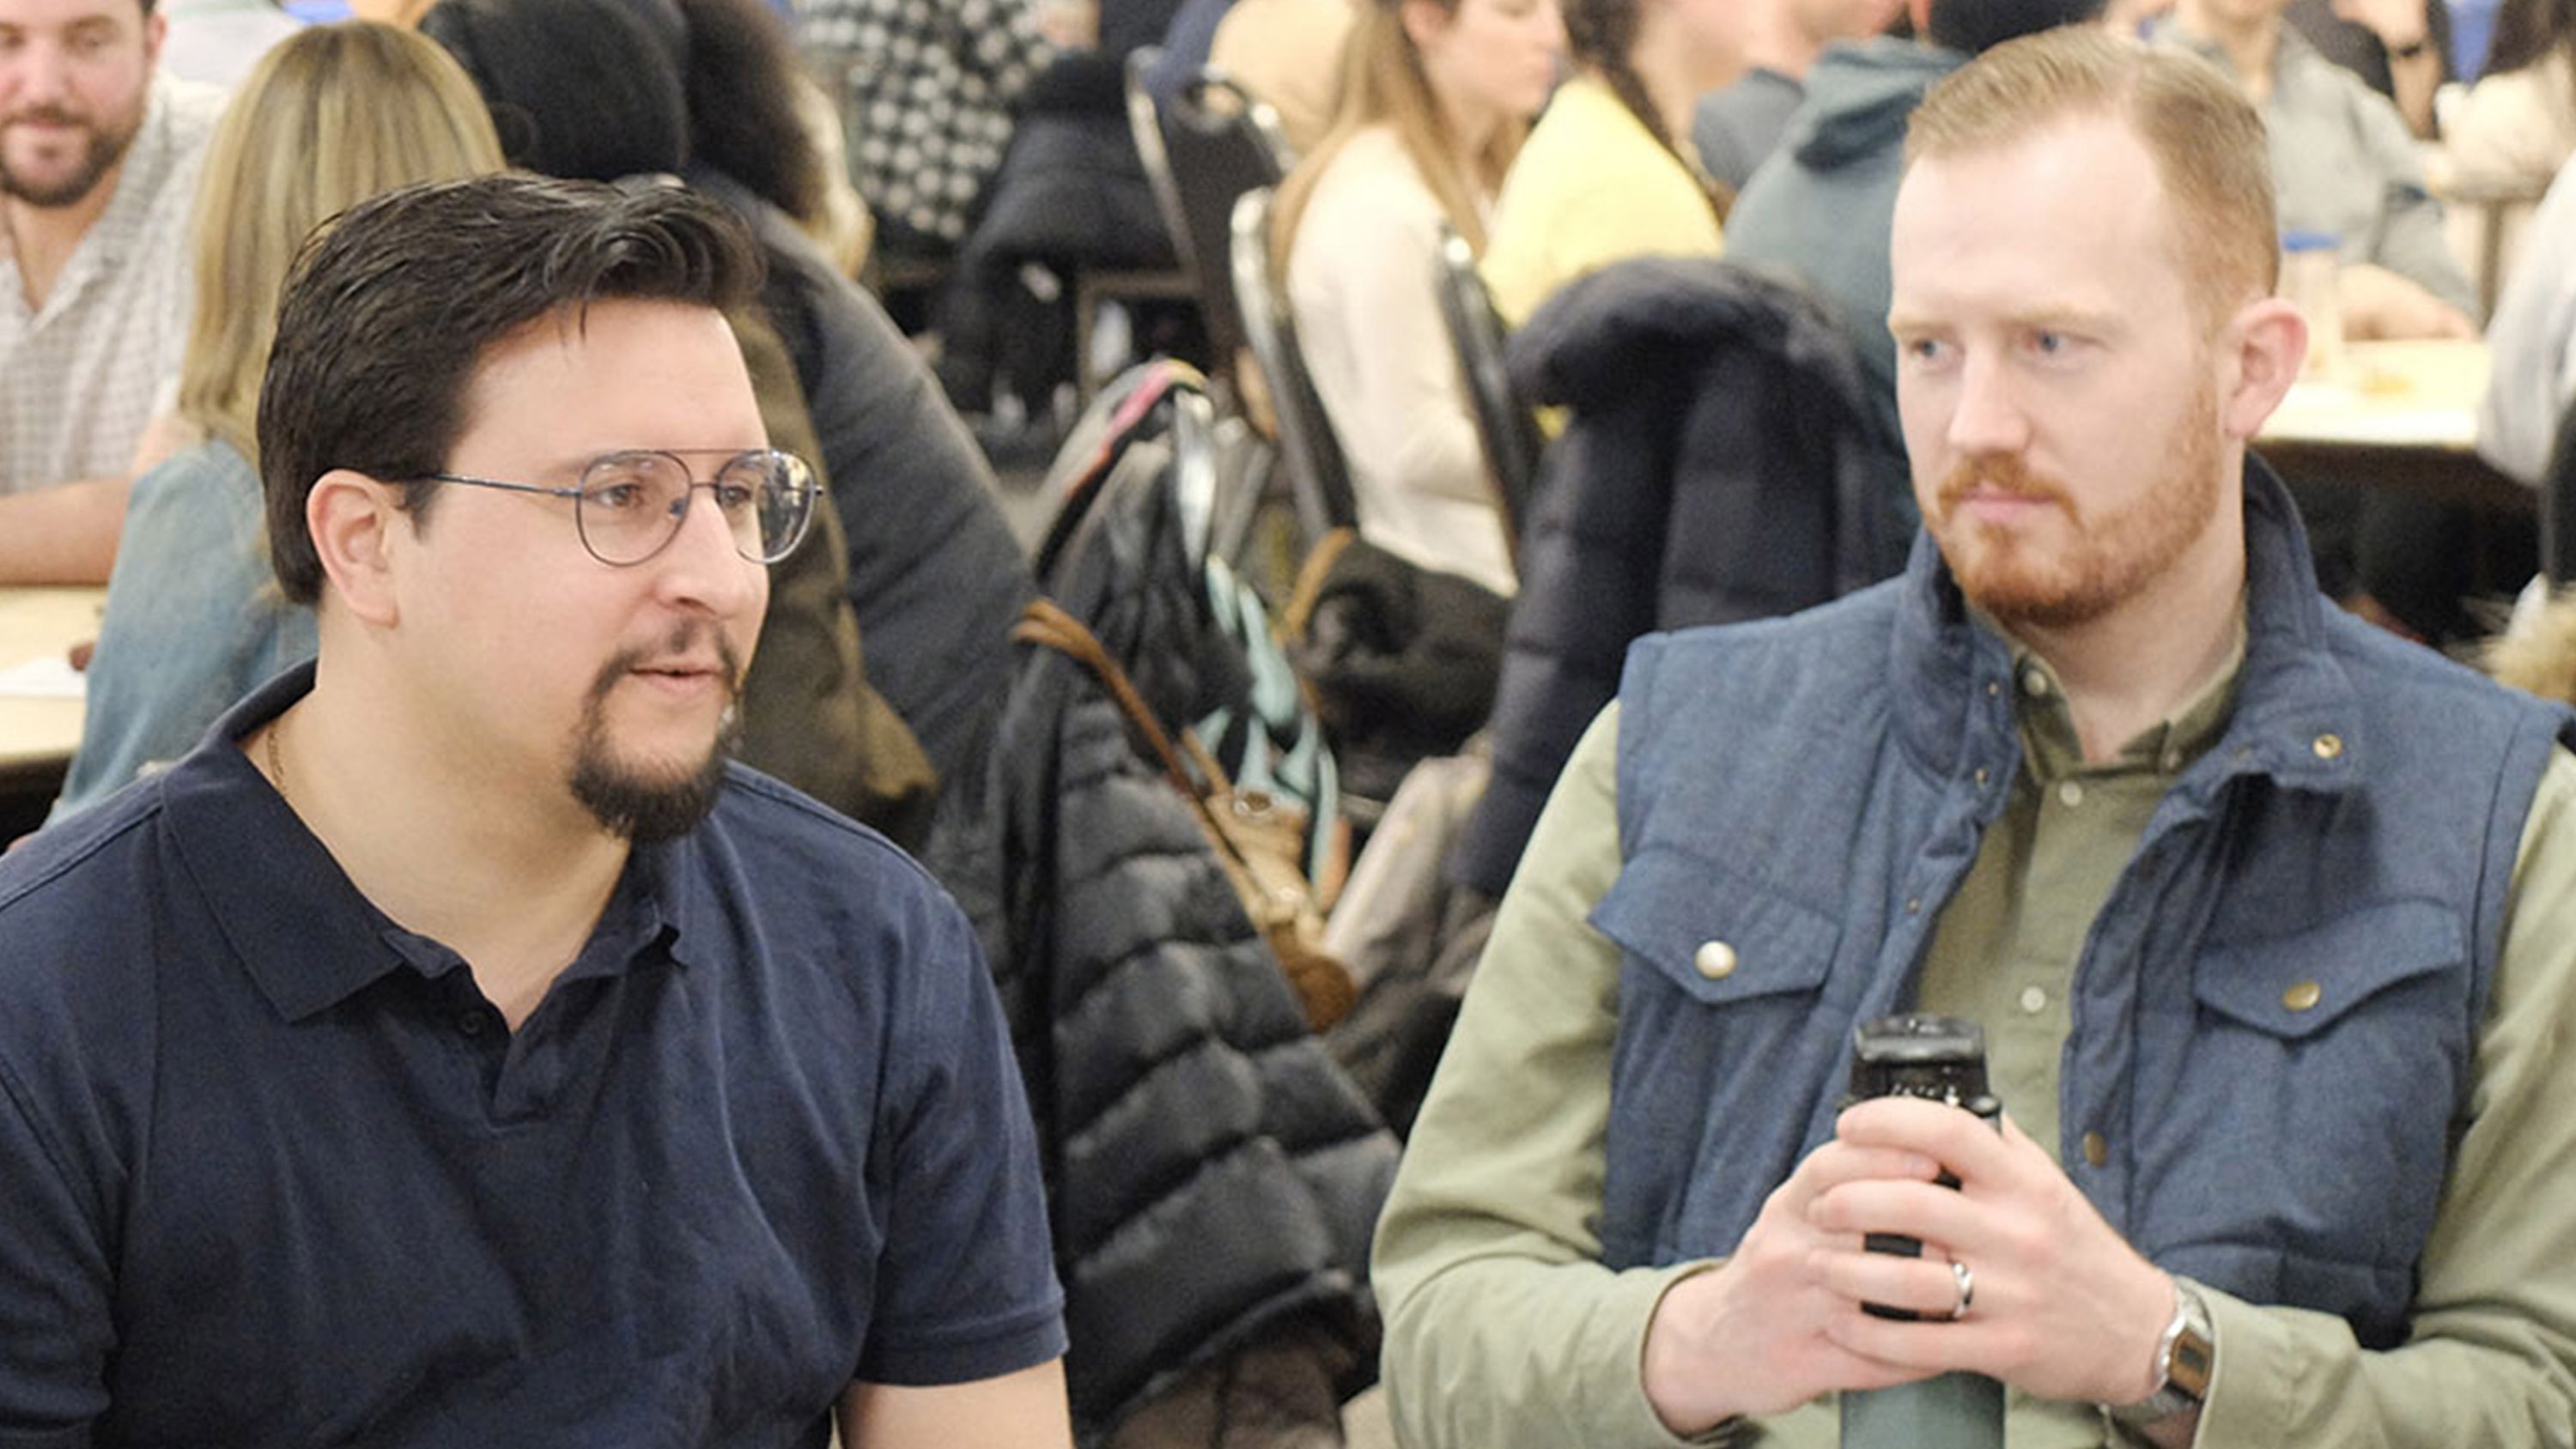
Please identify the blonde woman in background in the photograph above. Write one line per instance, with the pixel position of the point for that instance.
(1436, 96)
(1609, 172)
(329, 117)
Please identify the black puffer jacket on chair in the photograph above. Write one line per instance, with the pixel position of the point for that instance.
(1722, 462)
(1212, 1174)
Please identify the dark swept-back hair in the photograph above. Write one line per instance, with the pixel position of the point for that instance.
(1973, 27)
(392, 305)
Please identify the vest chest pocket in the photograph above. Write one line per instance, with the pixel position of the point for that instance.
(2295, 986)
(1713, 935)
(2302, 1138)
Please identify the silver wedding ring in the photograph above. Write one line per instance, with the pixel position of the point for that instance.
(1967, 1289)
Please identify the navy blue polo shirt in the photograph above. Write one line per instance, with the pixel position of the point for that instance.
(272, 1170)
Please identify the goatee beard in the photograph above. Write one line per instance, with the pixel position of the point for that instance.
(629, 803)
(2110, 552)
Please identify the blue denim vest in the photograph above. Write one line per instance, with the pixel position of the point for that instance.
(1811, 791)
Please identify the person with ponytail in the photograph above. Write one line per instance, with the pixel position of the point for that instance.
(1609, 172)
(1436, 96)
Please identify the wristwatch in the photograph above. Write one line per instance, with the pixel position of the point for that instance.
(2185, 1357)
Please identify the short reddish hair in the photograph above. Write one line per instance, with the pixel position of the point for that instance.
(2206, 139)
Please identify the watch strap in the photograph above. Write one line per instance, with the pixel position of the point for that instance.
(2186, 1357)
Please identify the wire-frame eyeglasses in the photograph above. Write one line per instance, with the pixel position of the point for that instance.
(629, 505)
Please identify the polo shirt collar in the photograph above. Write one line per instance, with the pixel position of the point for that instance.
(305, 934)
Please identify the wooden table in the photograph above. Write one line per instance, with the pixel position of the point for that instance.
(2406, 417)
(38, 735)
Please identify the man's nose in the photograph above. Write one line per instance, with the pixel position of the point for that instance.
(704, 563)
(1987, 417)
(36, 75)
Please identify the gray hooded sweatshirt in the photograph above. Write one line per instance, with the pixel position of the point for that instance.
(1820, 208)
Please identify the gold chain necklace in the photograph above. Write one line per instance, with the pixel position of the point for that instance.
(277, 761)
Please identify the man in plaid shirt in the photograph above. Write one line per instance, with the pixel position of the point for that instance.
(98, 169)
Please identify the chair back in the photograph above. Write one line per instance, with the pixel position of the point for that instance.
(1219, 142)
(2558, 505)
(1505, 427)
(1319, 475)
(1162, 401)
(1145, 123)
(2488, 217)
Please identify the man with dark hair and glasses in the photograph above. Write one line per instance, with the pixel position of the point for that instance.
(456, 1049)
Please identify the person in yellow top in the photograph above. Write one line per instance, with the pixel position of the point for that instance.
(1609, 173)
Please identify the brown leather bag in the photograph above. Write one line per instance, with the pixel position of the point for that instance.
(1258, 838)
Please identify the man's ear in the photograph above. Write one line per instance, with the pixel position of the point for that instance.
(353, 519)
(156, 29)
(2262, 347)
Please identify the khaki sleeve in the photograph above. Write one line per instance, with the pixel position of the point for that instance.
(1503, 1329)
(2493, 1358)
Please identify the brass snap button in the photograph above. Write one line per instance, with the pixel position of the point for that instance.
(1714, 960)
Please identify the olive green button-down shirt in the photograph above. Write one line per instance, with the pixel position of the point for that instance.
(2004, 952)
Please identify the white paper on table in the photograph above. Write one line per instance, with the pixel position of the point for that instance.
(48, 676)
